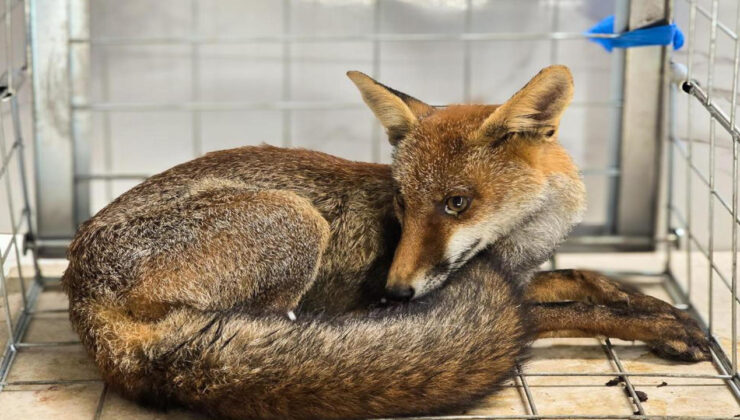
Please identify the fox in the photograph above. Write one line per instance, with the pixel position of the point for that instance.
(269, 283)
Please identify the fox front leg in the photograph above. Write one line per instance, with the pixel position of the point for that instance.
(577, 285)
(585, 303)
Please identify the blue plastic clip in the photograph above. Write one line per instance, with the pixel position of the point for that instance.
(656, 35)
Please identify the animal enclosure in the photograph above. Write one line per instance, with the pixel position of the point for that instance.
(97, 95)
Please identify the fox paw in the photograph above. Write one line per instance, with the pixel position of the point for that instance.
(692, 351)
(677, 335)
(683, 339)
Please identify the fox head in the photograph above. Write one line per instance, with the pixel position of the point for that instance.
(475, 177)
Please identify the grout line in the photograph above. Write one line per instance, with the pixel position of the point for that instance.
(101, 402)
(637, 375)
(21, 344)
(50, 382)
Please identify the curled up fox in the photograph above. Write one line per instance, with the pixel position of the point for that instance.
(245, 283)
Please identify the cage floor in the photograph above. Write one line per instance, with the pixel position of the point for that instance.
(53, 377)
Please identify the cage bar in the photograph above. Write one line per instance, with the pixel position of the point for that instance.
(734, 213)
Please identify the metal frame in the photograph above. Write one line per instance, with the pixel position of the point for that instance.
(643, 119)
(679, 227)
(64, 188)
(14, 79)
(682, 223)
(48, 28)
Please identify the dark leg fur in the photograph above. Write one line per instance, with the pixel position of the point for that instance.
(579, 302)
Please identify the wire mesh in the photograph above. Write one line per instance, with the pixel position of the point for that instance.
(19, 223)
(200, 105)
(683, 148)
(704, 103)
(683, 225)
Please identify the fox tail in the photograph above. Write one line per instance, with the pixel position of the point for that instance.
(438, 354)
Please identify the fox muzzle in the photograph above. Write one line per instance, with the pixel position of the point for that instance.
(399, 293)
(404, 282)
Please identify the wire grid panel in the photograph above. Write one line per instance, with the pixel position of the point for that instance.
(182, 77)
(16, 225)
(703, 173)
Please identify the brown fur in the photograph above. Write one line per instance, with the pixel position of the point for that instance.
(179, 288)
(588, 304)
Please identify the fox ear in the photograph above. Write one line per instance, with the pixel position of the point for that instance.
(397, 111)
(534, 110)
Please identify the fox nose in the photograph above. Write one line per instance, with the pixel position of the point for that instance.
(399, 293)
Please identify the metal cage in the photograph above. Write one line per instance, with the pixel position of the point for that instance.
(77, 172)
(670, 126)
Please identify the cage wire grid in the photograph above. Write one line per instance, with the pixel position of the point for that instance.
(83, 106)
(680, 225)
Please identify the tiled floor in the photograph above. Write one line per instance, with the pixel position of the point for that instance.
(78, 393)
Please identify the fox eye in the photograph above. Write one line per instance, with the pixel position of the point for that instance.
(456, 204)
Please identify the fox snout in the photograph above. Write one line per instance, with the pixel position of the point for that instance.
(415, 262)
(403, 283)
(404, 287)
(414, 284)
(400, 292)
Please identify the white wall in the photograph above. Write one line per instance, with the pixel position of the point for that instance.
(148, 142)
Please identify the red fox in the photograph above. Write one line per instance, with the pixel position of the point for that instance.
(245, 283)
